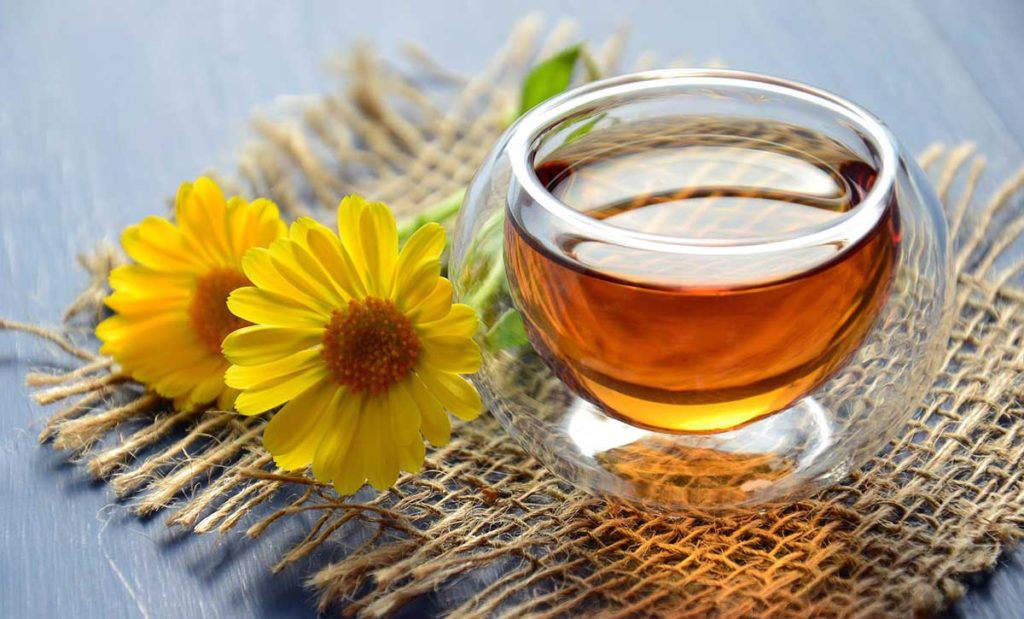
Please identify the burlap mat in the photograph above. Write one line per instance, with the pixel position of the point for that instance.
(485, 528)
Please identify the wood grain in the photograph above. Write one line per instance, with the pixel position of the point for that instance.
(107, 106)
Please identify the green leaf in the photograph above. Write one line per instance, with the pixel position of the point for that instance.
(549, 78)
(583, 129)
(508, 332)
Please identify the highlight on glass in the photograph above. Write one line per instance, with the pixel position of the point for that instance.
(703, 288)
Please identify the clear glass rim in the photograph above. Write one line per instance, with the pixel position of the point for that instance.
(524, 138)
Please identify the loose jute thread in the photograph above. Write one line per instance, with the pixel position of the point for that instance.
(895, 538)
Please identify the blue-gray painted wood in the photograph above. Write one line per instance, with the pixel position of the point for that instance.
(106, 106)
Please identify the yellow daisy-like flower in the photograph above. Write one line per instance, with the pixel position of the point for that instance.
(171, 305)
(360, 342)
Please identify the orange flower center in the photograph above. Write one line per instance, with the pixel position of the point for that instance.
(211, 319)
(370, 345)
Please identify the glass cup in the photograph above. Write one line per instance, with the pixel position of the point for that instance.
(703, 289)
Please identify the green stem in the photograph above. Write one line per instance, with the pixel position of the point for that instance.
(479, 298)
(438, 213)
(479, 245)
(441, 212)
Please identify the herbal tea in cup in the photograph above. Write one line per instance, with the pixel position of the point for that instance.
(730, 277)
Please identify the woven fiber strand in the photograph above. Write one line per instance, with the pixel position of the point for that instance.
(895, 538)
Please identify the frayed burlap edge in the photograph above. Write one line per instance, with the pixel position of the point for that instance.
(895, 538)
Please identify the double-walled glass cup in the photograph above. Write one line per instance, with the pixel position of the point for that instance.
(703, 289)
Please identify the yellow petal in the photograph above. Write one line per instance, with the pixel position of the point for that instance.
(247, 376)
(284, 256)
(380, 247)
(350, 213)
(182, 403)
(349, 472)
(143, 281)
(264, 307)
(461, 321)
(369, 234)
(450, 353)
(328, 250)
(259, 267)
(435, 306)
(294, 432)
(243, 222)
(201, 211)
(456, 393)
(138, 360)
(381, 456)
(119, 327)
(418, 285)
(433, 420)
(269, 394)
(425, 245)
(136, 305)
(271, 226)
(226, 399)
(403, 414)
(137, 342)
(331, 454)
(208, 390)
(182, 380)
(410, 457)
(156, 243)
(310, 266)
(255, 224)
(261, 344)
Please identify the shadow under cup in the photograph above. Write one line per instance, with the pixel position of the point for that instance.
(735, 288)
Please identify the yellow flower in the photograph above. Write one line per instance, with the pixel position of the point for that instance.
(362, 342)
(171, 305)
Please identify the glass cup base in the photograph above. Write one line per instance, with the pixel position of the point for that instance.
(770, 459)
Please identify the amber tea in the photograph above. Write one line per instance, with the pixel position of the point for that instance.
(686, 341)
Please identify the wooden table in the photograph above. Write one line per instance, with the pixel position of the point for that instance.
(106, 106)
